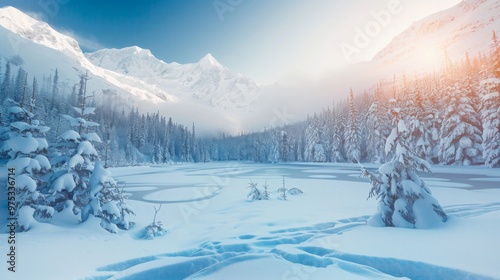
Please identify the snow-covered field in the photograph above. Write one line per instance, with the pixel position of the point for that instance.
(214, 232)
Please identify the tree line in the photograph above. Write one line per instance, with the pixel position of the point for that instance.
(453, 115)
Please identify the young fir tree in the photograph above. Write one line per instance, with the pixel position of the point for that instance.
(255, 193)
(81, 182)
(404, 199)
(26, 147)
(283, 190)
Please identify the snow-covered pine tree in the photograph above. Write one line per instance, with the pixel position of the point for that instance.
(81, 182)
(338, 137)
(490, 116)
(254, 193)
(108, 201)
(283, 190)
(496, 55)
(352, 141)
(265, 193)
(27, 146)
(404, 199)
(284, 147)
(311, 138)
(461, 130)
(378, 130)
(274, 151)
(55, 91)
(155, 229)
(314, 136)
(5, 87)
(327, 135)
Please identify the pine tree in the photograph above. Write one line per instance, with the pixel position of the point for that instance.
(314, 150)
(496, 55)
(284, 147)
(378, 131)
(283, 190)
(461, 130)
(404, 199)
(490, 116)
(27, 146)
(81, 182)
(5, 87)
(55, 90)
(254, 193)
(338, 137)
(352, 140)
(274, 151)
(19, 85)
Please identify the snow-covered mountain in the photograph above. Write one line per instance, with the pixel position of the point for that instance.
(189, 93)
(207, 80)
(40, 49)
(132, 69)
(466, 27)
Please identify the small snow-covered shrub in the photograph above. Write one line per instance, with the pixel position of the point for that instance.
(257, 194)
(283, 190)
(254, 193)
(265, 193)
(155, 229)
(295, 191)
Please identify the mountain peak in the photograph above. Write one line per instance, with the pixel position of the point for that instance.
(12, 11)
(138, 51)
(208, 59)
(38, 32)
(15, 20)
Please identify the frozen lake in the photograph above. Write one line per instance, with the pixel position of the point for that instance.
(215, 232)
(194, 182)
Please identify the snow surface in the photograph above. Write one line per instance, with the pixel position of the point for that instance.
(321, 234)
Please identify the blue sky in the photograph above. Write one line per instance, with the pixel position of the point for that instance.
(268, 40)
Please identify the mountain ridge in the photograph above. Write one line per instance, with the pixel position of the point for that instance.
(206, 80)
(449, 34)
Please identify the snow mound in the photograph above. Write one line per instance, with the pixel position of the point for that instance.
(70, 135)
(64, 182)
(22, 144)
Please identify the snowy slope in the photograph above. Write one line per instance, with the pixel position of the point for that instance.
(207, 80)
(466, 27)
(214, 232)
